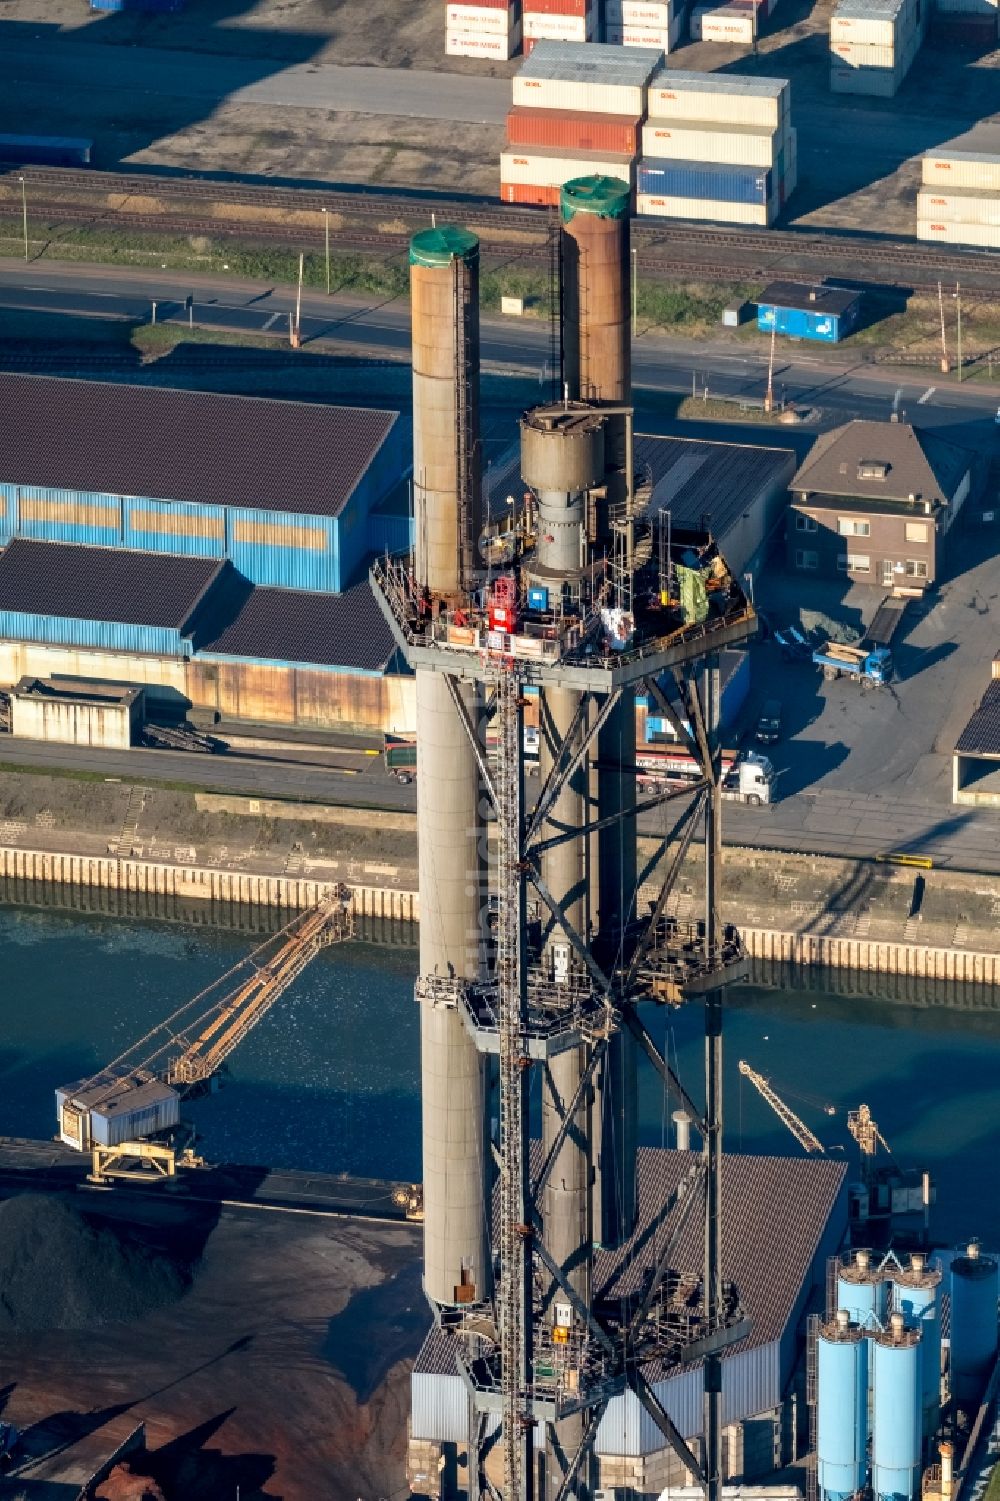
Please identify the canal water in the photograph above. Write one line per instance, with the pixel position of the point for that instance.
(329, 1080)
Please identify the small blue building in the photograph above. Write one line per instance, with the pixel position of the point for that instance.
(291, 492)
(824, 313)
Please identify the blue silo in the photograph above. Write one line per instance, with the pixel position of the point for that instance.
(917, 1296)
(974, 1288)
(862, 1289)
(841, 1408)
(896, 1412)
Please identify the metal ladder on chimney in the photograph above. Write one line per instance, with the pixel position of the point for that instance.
(515, 1243)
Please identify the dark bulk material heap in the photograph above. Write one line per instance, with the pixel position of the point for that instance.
(59, 1271)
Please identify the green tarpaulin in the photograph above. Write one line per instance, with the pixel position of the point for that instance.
(694, 599)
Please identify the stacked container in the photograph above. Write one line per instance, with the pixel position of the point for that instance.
(873, 44)
(577, 111)
(716, 147)
(974, 22)
(959, 201)
(645, 23)
(729, 20)
(483, 28)
(559, 21)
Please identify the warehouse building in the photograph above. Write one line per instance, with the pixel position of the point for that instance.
(789, 1215)
(975, 762)
(293, 493)
(875, 501)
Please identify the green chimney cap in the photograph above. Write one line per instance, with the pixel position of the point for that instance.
(442, 245)
(607, 197)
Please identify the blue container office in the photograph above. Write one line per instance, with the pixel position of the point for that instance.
(823, 314)
(841, 1409)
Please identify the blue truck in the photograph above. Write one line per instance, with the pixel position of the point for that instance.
(871, 666)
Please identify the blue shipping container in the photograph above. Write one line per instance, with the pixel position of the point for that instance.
(797, 323)
(156, 6)
(49, 151)
(711, 180)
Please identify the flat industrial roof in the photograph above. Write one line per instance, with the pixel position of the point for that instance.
(981, 736)
(692, 478)
(74, 690)
(718, 83)
(811, 299)
(153, 441)
(104, 583)
(110, 1094)
(331, 630)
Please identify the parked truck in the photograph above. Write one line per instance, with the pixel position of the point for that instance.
(870, 666)
(747, 776)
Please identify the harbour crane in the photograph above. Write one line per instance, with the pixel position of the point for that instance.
(868, 1137)
(127, 1115)
(798, 1128)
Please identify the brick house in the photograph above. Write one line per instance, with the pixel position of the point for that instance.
(874, 502)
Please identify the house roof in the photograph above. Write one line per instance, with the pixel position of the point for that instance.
(811, 298)
(104, 583)
(285, 625)
(981, 736)
(776, 1211)
(120, 439)
(918, 465)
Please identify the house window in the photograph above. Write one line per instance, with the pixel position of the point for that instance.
(806, 559)
(804, 523)
(872, 469)
(916, 531)
(850, 526)
(915, 568)
(855, 562)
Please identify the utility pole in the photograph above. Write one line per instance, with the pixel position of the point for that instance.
(326, 227)
(295, 338)
(24, 212)
(635, 294)
(944, 341)
(958, 301)
(769, 395)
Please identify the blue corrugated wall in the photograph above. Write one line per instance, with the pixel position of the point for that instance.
(107, 635)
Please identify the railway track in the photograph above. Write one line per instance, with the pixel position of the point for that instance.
(680, 247)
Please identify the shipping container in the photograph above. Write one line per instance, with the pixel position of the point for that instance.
(48, 151)
(641, 12)
(723, 24)
(522, 192)
(736, 145)
(666, 39)
(482, 22)
(965, 30)
(724, 184)
(152, 7)
(716, 98)
(588, 77)
(959, 208)
(984, 8)
(962, 170)
(703, 210)
(882, 83)
(864, 55)
(480, 44)
(799, 323)
(562, 129)
(540, 27)
(947, 232)
(559, 7)
(550, 169)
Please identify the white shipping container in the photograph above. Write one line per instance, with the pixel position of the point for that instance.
(703, 208)
(878, 82)
(716, 25)
(864, 55)
(955, 171)
(483, 22)
(482, 44)
(959, 208)
(541, 27)
(587, 98)
(586, 77)
(874, 31)
(687, 141)
(665, 37)
(641, 12)
(538, 168)
(719, 105)
(948, 232)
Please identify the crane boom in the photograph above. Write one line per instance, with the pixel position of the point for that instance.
(798, 1128)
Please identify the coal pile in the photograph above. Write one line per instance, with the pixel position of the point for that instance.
(58, 1270)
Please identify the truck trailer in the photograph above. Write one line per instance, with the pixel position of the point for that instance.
(871, 667)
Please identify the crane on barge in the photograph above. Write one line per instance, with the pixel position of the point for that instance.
(127, 1115)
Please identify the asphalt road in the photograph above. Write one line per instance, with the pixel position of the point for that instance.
(838, 387)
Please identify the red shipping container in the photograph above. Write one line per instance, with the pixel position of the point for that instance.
(519, 192)
(565, 130)
(558, 7)
(486, 4)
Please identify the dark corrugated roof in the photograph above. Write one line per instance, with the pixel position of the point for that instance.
(797, 294)
(185, 445)
(284, 625)
(918, 463)
(104, 583)
(775, 1210)
(693, 479)
(981, 736)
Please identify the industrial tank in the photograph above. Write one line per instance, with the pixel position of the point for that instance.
(841, 1407)
(974, 1288)
(917, 1296)
(862, 1289)
(896, 1412)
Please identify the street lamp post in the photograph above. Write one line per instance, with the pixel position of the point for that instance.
(326, 228)
(958, 330)
(635, 293)
(24, 213)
